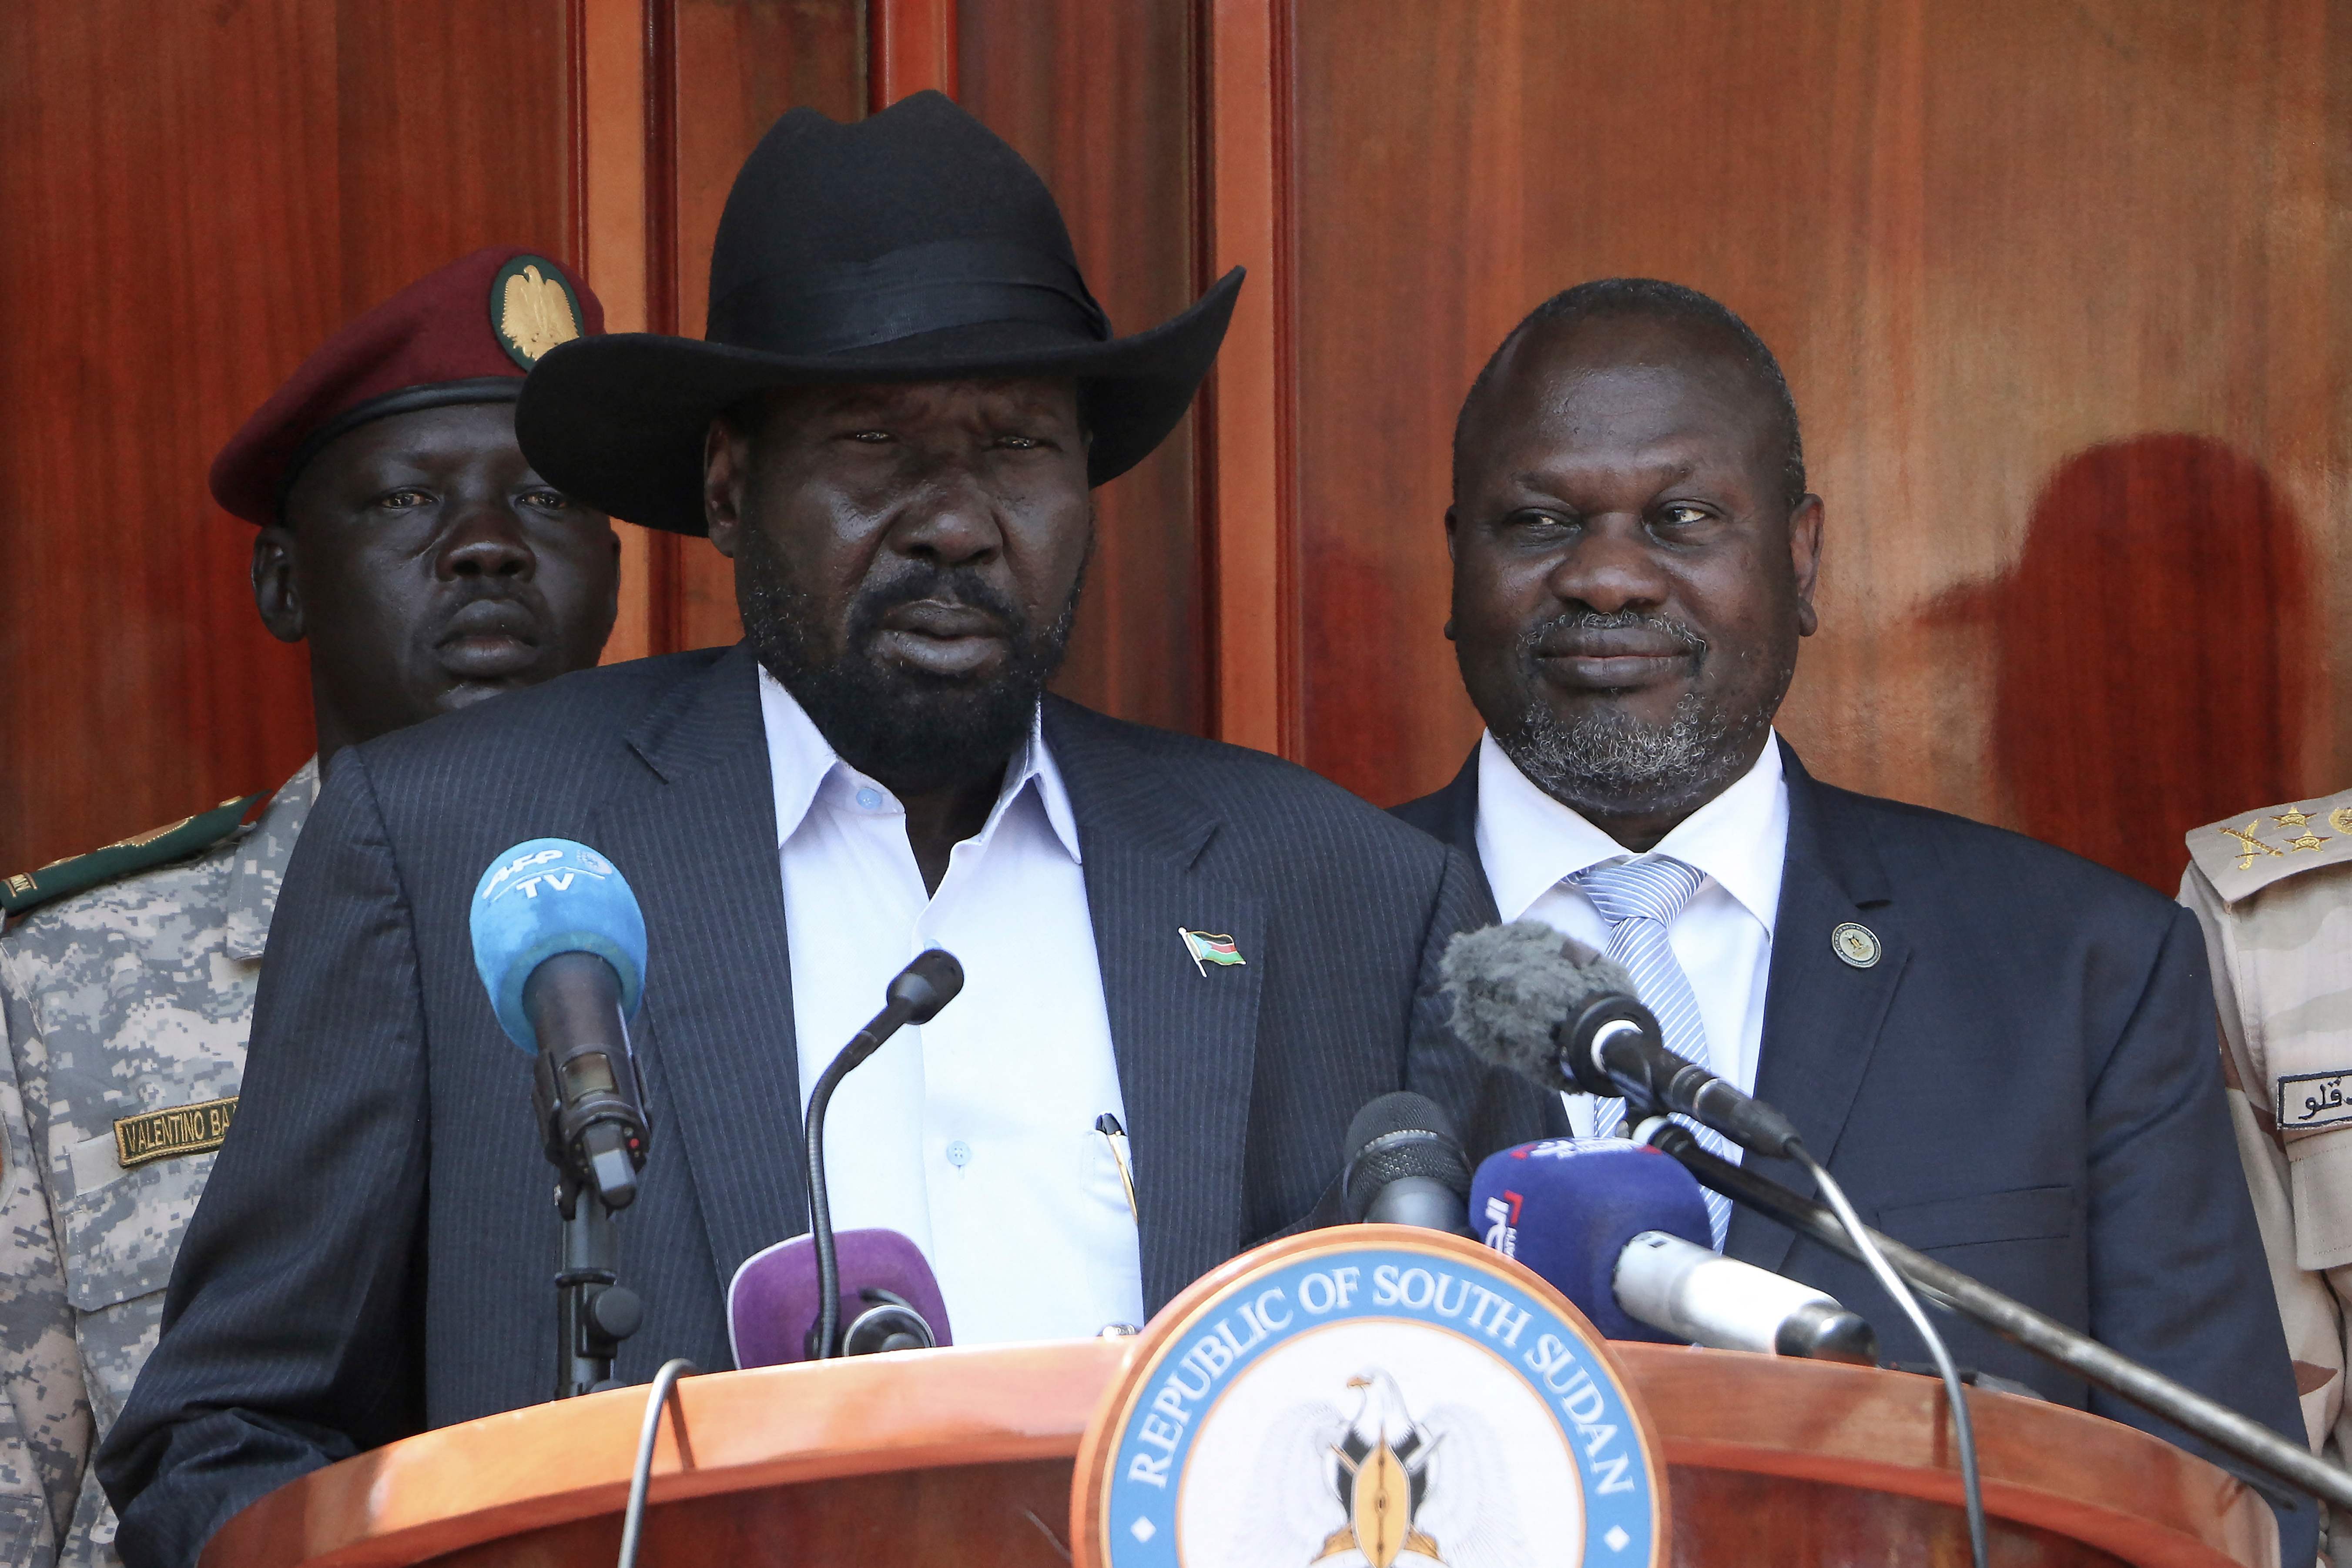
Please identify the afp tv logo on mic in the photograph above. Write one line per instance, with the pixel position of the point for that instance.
(1502, 1222)
(554, 866)
(1502, 1205)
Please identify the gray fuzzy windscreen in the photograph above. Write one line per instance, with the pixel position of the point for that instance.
(1510, 986)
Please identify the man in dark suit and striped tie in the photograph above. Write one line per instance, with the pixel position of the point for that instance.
(904, 398)
(2004, 1053)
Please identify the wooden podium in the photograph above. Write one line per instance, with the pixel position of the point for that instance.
(964, 1458)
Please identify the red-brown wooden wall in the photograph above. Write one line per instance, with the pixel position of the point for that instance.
(2062, 294)
(192, 198)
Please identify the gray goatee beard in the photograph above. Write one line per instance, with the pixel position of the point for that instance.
(1605, 761)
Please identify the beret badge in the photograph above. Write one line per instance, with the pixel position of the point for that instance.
(532, 309)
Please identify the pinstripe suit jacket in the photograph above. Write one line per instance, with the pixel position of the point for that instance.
(372, 1256)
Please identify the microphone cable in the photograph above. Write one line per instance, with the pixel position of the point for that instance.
(1866, 1246)
(662, 1392)
(1964, 1431)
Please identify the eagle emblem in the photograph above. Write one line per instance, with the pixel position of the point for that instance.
(1380, 1472)
(1379, 1486)
(533, 309)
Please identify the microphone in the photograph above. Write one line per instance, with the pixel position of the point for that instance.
(1551, 1009)
(1405, 1166)
(1696, 1293)
(1621, 1230)
(772, 1305)
(915, 995)
(560, 944)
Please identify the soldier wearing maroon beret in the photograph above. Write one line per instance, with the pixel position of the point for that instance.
(403, 539)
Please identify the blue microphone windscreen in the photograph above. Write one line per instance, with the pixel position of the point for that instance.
(547, 896)
(1567, 1207)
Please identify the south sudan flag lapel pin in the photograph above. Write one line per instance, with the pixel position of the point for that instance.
(1205, 948)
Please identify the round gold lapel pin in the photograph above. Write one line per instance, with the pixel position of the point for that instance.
(1857, 945)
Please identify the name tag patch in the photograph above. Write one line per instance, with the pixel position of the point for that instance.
(195, 1129)
(2315, 1099)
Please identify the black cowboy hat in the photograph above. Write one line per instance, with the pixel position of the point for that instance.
(912, 246)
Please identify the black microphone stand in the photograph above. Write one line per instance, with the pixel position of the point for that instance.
(827, 1327)
(593, 1124)
(594, 1311)
(2053, 1342)
(915, 995)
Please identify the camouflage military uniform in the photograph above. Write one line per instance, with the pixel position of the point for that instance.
(2274, 891)
(44, 1419)
(127, 1008)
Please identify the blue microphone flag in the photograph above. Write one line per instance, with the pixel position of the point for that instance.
(1567, 1207)
(547, 896)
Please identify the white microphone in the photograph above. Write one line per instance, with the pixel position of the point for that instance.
(1619, 1228)
(1697, 1294)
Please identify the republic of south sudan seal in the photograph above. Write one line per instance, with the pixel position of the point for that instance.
(1369, 1397)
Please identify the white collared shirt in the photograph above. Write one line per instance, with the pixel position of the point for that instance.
(974, 1135)
(1530, 844)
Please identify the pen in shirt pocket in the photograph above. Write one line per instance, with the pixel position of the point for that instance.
(1115, 1136)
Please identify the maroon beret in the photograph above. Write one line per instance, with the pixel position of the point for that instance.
(467, 333)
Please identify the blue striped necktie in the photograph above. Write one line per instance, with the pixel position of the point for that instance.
(1640, 899)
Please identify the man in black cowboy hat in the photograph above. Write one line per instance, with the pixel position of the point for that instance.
(892, 427)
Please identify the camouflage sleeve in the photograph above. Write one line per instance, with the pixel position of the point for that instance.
(28, 1534)
(42, 1456)
(2309, 1307)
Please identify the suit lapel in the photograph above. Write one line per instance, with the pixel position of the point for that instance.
(1185, 1038)
(698, 840)
(1821, 1014)
(1457, 817)
(1457, 809)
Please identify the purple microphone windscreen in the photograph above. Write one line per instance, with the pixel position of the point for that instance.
(772, 1300)
(1566, 1208)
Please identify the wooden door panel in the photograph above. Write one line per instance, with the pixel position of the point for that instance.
(1986, 240)
(737, 68)
(196, 196)
(1097, 94)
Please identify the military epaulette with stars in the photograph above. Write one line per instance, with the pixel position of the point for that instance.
(156, 847)
(2243, 855)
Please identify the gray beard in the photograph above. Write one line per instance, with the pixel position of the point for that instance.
(1609, 762)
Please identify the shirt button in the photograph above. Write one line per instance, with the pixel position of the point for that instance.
(871, 799)
(959, 1153)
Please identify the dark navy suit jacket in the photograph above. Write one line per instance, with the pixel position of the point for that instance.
(374, 1253)
(2025, 1085)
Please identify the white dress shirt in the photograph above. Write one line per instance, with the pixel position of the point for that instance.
(1530, 844)
(974, 1135)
